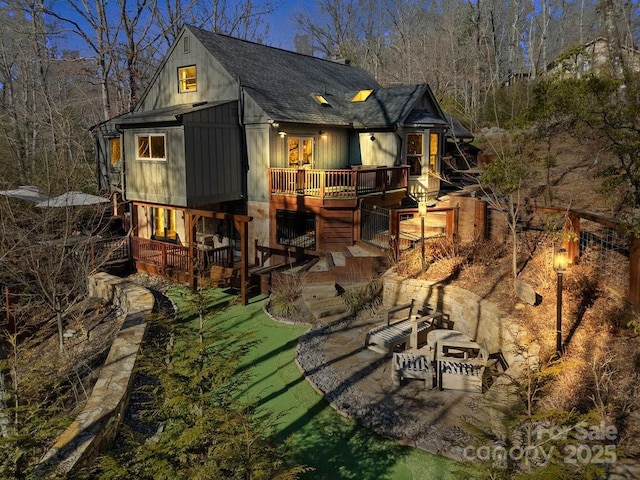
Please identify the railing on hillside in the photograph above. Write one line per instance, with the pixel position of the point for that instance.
(400, 228)
(612, 252)
(337, 184)
(160, 254)
(110, 251)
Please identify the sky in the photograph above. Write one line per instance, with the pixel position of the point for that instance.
(282, 25)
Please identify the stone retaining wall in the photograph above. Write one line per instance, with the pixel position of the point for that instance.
(97, 425)
(479, 319)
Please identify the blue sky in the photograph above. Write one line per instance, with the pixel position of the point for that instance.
(282, 21)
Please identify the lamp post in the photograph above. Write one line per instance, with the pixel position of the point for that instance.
(422, 211)
(560, 262)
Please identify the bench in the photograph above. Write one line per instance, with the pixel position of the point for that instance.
(220, 276)
(414, 365)
(387, 337)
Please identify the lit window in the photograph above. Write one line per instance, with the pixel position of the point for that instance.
(163, 221)
(361, 96)
(150, 147)
(433, 152)
(321, 100)
(300, 151)
(115, 152)
(415, 153)
(187, 79)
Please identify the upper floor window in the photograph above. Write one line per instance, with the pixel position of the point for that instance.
(422, 157)
(300, 151)
(187, 79)
(415, 153)
(115, 152)
(151, 147)
(433, 152)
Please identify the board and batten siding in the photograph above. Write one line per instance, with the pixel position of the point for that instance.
(213, 155)
(381, 152)
(331, 150)
(156, 181)
(258, 146)
(213, 82)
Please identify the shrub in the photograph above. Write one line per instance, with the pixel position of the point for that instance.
(286, 289)
(362, 297)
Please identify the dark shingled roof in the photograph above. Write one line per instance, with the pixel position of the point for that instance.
(283, 83)
(162, 115)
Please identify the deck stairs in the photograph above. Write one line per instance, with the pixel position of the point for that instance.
(323, 301)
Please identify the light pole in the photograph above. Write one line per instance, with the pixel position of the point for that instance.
(560, 262)
(422, 211)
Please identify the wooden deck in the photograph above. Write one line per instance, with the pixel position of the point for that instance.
(337, 184)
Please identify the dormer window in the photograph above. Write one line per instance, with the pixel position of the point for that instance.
(361, 96)
(321, 99)
(187, 79)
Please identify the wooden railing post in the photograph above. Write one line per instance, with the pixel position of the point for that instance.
(163, 248)
(571, 241)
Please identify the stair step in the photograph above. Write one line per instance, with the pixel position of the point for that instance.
(359, 251)
(338, 259)
(316, 291)
(326, 307)
(320, 266)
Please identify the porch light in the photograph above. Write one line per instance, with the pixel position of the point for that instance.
(322, 134)
(560, 262)
(422, 211)
(282, 134)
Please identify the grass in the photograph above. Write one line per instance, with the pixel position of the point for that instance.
(319, 437)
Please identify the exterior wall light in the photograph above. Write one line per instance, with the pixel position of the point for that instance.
(282, 134)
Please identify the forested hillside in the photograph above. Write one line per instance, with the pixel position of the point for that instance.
(65, 66)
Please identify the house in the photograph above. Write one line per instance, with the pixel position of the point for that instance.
(234, 142)
(592, 58)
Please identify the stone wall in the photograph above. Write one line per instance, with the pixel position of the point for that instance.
(479, 319)
(97, 425)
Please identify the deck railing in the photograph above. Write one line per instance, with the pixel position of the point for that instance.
(337, 184)
(109, 251)
(161, 254)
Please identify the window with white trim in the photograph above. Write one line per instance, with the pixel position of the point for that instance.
(187, 79)
(415, 153)
(151, 147)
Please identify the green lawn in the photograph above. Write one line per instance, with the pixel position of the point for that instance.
(321, 438)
